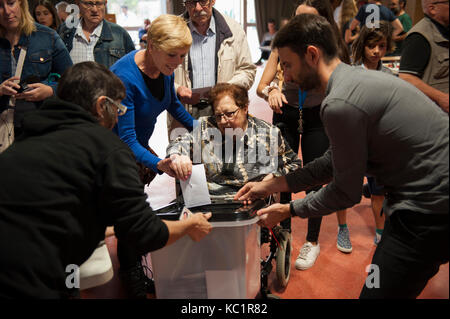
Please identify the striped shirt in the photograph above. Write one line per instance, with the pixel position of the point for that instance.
(203, 56)
(83, 49)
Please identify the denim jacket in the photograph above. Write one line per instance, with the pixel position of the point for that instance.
(114, 42)
(46, 54)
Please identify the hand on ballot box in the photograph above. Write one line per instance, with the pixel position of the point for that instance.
(200, 227)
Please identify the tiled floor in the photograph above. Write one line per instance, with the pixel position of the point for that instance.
(335, 275)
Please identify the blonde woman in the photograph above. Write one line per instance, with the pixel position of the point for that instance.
(45, 54)
(148, 78)
(149, 81)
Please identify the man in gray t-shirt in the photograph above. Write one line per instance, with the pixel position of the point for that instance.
(380, 125)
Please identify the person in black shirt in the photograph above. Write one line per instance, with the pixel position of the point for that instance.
(67, 178)
(374, 11)
(425, 60)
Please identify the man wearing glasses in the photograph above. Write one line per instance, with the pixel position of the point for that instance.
(93, 38)
(424, 61)
(84, 178)
(219, 53)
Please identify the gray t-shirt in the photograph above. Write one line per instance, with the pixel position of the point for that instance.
(380, 125)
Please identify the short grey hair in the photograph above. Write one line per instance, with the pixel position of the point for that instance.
(61, 6)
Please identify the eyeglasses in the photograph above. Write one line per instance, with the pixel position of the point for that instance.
(121, 109)
(227, 115)
(192, 3)
(91, 4)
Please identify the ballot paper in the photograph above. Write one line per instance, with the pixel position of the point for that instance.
(194, 189)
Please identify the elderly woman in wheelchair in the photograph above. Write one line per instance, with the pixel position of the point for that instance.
(236, 148)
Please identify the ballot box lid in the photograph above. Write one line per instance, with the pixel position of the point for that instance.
(222, 210)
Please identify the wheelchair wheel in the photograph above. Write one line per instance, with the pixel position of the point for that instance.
(283, 268)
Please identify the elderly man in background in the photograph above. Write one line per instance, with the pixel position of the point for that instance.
(93, 38)
(424, 61)
(219, 53)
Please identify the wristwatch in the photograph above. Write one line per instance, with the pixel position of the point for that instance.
(269, 88)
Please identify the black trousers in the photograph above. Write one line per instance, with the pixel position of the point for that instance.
(289, 130)
(127, 255)
(313, 145)
(412, 248)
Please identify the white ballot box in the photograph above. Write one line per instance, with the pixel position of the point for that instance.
(223, 265)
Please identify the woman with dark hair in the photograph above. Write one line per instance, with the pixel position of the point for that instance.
(45, 13)
(299, 112)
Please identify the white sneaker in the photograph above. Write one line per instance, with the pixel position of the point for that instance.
(377, 238)
(307, 256)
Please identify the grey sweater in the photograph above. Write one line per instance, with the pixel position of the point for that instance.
(385, 127)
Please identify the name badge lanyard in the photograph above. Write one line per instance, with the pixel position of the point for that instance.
(301, 102)
(23, 53)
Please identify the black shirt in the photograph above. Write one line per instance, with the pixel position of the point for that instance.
(417, 51)
(366, 11)
(63, 181)
(156, 86)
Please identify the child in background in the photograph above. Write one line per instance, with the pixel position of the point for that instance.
(372, 45)
(367, 51)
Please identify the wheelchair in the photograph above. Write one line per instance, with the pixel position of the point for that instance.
(279, 239)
